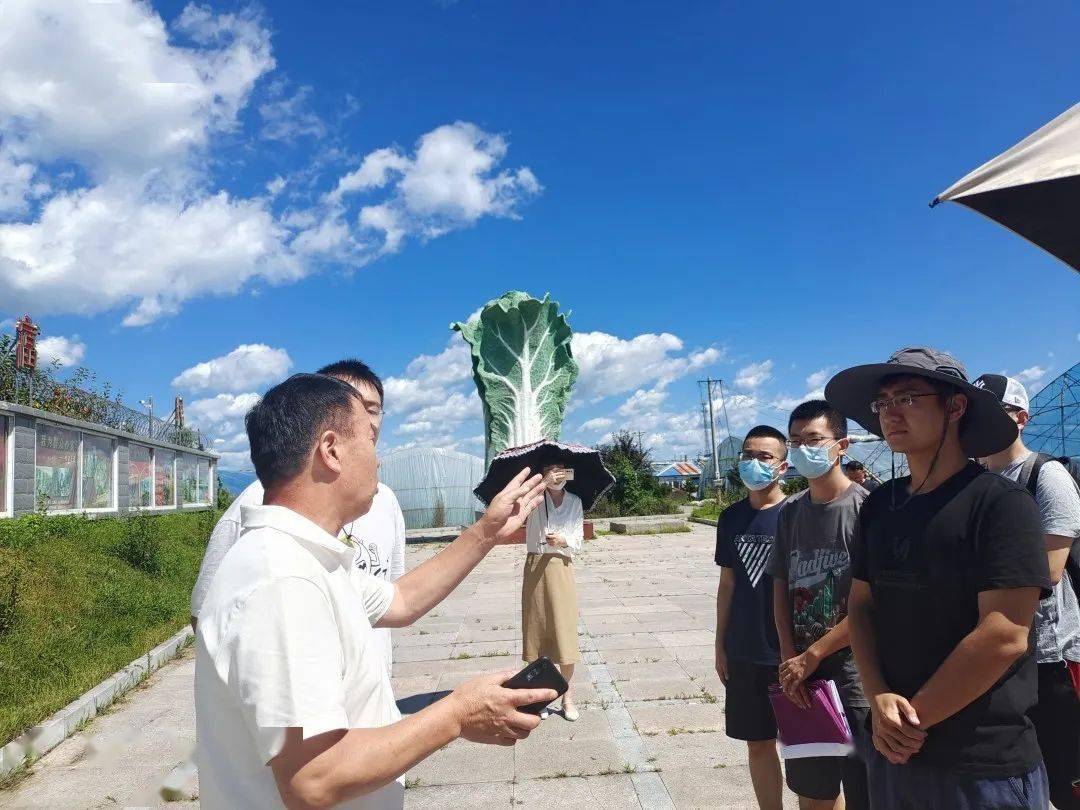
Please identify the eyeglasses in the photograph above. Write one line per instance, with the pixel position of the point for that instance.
(749, 455)
(901, 401)
(810, 441)
(374, 411)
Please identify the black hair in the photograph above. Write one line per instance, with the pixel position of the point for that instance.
(768, 432)
(815, 408)
(854, 465)
(355, 371)
(284, 425)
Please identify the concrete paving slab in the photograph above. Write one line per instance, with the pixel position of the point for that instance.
(646, 635)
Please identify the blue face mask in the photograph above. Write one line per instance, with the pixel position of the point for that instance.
(756, 474)
(811, 462)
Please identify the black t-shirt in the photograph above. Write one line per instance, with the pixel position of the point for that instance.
(926, 563)
(744, 541)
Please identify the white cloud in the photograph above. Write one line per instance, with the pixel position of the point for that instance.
(597, 424)
(65, 351)
(221, 415)
(450, 182)
(101, 83)
(245, 367)
(642, 401)
(1032, 376)
(428, 376)
(108, 123)
(611, 366)
(818, 379)
(96, 249)
(754, 375)
(287, 117)
(445, 417)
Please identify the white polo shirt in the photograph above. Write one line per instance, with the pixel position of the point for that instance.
(379, 536)
(285, 639)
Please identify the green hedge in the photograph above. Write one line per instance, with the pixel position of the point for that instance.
(81, 598)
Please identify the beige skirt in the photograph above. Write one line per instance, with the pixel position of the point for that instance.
(549, 609)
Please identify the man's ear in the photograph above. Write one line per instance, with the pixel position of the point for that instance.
(1022, 418)
(956, 406)
(329, 450)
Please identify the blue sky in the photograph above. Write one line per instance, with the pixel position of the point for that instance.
(710, 188)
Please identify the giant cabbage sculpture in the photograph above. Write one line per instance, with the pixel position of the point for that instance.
(523, 368)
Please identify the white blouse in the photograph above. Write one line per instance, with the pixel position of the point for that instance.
(567, 520)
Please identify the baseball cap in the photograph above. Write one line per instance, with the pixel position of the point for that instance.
(1010, 391)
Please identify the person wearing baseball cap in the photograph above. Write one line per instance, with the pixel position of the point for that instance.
(1056, 715)
(947, 569)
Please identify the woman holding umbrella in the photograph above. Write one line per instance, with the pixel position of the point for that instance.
(575, 477)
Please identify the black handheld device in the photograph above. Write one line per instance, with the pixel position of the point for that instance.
(540, 674)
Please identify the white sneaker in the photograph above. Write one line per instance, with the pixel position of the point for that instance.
(571, 712)
(545, 714)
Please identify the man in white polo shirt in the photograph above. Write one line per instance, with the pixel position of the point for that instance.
(293, 707)
(378, 536)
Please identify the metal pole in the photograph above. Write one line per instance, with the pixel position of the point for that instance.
(712, 433)
(1061, 416)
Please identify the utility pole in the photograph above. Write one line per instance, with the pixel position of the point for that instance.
(712, 433)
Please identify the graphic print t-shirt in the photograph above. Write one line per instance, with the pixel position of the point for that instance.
(744, 541)
(813, 553)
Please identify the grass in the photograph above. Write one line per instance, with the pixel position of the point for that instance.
(80, 611)
(412, 783)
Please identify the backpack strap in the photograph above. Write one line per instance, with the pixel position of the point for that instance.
(1029, 472)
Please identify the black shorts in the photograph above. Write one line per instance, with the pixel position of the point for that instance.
(749, 715)
(822, 777)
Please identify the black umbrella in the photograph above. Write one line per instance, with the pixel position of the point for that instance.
(591, 478)
(1033, 189)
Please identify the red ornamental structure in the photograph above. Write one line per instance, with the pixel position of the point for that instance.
(26, 333)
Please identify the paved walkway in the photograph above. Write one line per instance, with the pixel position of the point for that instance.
(650, 733)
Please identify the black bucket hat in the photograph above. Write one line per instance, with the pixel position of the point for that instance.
(986, 428)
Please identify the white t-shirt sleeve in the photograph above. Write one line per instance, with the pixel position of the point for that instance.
(397, 558)
(1058, 499)
(376, 593)
(286, 664)
(224, 537)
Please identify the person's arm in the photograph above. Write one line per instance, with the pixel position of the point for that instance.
(425, 586)
(1057, 554)
(895, 722)
(725, 590)
(794, 671)
(981, 657)
(1058, 499)
(327, 769)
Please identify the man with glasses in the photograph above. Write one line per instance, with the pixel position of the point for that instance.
(747, 651)
(378, 536)
(811, 570)
(1056, 715)
(948, 568)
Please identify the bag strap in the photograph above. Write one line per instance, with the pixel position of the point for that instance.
(1029, 472)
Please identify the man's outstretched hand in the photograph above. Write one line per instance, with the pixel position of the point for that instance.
(509, 510)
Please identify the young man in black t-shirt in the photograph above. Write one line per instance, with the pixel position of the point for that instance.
(747, 652)
(948, 567)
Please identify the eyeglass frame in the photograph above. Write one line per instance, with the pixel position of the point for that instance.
(815, 442)
(749, 455)
(877, 406)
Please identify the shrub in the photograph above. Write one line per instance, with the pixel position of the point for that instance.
(140, 544)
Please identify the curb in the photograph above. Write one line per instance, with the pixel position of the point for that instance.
(702, 521)
(42, 738)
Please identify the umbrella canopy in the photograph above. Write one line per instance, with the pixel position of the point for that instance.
(591, 478)
(1033, 188)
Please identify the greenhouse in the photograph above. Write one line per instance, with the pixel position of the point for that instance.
(433, 486)
(1055, 417)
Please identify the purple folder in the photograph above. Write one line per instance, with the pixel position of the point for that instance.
(820, 731)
